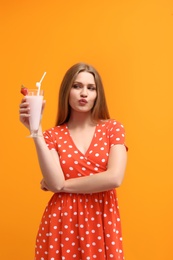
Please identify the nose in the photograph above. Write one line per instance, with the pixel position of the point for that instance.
(84, 92)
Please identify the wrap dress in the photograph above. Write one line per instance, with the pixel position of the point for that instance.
(82, 226)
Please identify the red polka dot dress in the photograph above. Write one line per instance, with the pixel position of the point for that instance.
(82, 226)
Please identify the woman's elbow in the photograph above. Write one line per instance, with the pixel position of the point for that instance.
(59, 188)
(117, 181)
(56, 188)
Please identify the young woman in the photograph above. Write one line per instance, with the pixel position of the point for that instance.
(82, 160)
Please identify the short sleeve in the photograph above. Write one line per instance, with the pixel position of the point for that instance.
(50, 139)
(116, 133)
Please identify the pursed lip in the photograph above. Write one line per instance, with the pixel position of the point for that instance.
(83, 101)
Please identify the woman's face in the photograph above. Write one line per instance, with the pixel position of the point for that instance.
(83, 93)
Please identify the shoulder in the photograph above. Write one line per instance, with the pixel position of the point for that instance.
(53, 135)
(54, 131)
(111, 124)
(115, 131)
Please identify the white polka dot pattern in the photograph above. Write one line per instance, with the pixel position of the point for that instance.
(82, 226)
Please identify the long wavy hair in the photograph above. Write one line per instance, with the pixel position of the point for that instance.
(99, 110)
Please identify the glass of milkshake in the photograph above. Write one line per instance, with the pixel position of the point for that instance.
(35, 99)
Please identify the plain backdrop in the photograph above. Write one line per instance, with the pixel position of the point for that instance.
(130, 44)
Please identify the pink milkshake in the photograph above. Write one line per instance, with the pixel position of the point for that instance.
(35, 100)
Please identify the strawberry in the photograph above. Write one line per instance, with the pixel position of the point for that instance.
(24, 90)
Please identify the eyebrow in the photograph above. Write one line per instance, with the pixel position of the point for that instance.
(90, 84)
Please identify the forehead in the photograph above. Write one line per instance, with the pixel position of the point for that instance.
(85, 77)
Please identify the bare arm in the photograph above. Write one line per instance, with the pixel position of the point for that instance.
(49, 165)
(48, 160)
(107, 180)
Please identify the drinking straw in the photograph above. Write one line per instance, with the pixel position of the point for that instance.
(38, 84)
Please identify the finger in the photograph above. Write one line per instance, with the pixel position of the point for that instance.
(42, 183)
(44, 189)
(24, 109)
(24, 113)
(42, 186)
(44, 103)
(24, 103)
(43, 106)
(23, 100)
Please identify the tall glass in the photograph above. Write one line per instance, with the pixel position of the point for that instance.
(35, 100)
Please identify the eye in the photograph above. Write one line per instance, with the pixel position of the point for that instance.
(77, 86)
(92, 87)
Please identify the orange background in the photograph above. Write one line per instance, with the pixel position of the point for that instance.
(131, 44)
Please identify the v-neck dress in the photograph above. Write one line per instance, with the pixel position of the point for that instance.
(82, 226)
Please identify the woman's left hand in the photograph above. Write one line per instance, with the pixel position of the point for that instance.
(43, 185)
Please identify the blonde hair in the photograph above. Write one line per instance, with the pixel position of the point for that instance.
(99, 110)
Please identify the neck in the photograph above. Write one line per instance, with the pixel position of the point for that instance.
(80, 120)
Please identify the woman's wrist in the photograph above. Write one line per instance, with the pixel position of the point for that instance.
(40, 133)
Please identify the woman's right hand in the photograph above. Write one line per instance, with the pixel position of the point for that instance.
(24, 113)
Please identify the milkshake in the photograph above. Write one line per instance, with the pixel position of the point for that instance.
(35, 100)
